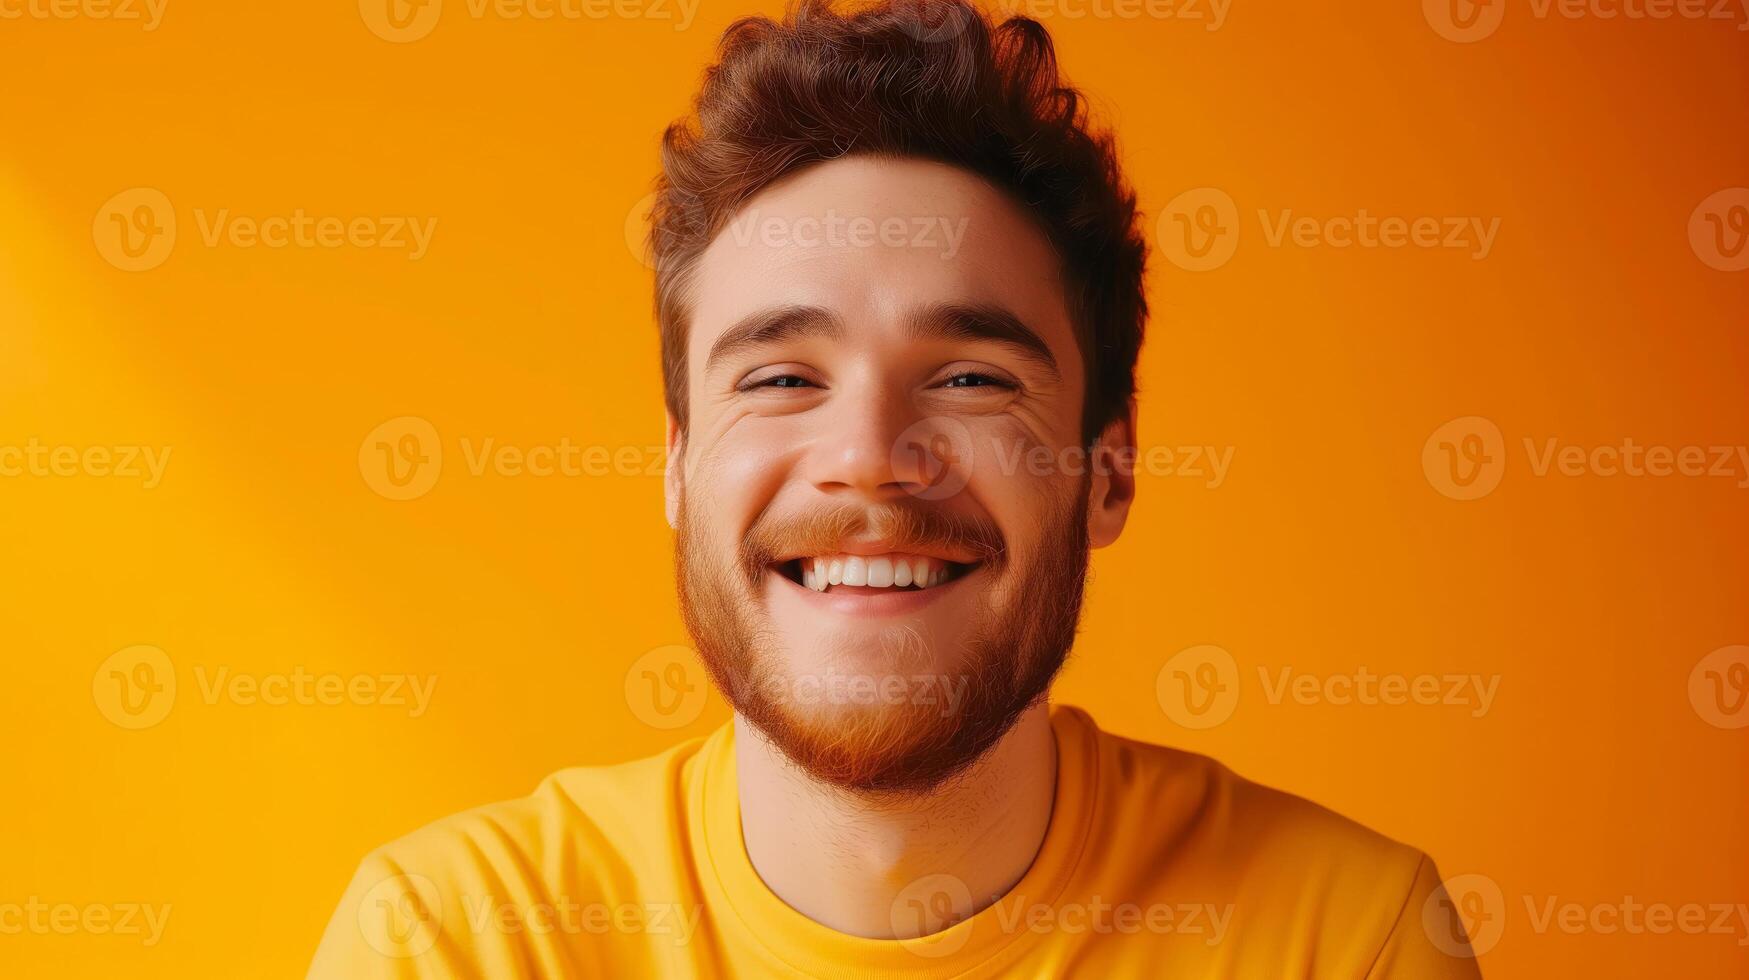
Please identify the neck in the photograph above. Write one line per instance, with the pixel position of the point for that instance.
(844, 859)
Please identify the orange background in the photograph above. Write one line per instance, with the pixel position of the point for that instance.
(1328, 548)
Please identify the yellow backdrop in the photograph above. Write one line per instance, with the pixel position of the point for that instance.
(330, 424)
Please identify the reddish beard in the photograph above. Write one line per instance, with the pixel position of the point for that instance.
(1020, 639)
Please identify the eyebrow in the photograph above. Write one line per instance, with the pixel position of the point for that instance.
(954, 321)
(944, 321)
(772, 326)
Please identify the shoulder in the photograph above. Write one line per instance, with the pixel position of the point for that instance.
(1184, 823)
(1230, 818)
(482, 891)
(585, 822)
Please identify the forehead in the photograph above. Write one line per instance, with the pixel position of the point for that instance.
(873, 240)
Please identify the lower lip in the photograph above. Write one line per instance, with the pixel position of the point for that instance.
(852, 600)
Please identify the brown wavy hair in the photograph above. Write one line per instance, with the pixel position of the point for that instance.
(930, 79)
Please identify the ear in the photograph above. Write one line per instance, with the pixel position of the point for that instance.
(1113, 487)
(674, 476)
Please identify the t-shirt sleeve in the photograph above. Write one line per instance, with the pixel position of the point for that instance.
(1427, 942)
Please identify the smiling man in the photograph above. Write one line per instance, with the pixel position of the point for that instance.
(894, 261)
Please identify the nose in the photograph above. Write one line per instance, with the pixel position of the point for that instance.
(854, 454)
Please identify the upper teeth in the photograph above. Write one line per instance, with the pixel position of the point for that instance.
(877, 571)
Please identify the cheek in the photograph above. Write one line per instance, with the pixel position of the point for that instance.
(738, 474)
(1021, 480)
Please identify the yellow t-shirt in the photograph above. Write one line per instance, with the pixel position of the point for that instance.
(1157, 863)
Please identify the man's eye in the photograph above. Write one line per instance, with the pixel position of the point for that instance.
(972, 379)
(783, 381)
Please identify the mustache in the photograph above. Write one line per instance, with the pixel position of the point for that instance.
(908, 525)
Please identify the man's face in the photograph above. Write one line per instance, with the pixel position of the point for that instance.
(883, 517)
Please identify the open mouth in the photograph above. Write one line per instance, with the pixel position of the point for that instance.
(860, 573)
